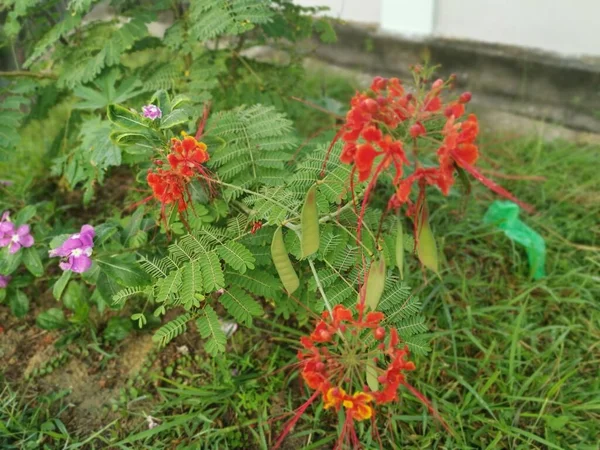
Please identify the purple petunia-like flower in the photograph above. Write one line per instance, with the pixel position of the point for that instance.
(15, 237)
(4, 279)
(4, 223)
(152, 112)
(76, 250)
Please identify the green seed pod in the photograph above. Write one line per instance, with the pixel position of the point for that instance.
(310, 223)
(426, 246)
(375, 283)
(400, 249)
(283, 264)
(372, 381)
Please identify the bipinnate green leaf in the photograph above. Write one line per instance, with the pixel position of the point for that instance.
(209, 328)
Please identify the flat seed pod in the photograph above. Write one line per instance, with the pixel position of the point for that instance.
(372, 381)
(310, 223)
(282, 262)
(400, 249)
(426, 246)
(375, 283)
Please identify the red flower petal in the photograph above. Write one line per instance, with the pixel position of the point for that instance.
(365, 154)
(371, 134)
(467, 153)
(374, 317)
(341, 313)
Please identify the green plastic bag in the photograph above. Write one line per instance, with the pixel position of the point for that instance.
(505, 216)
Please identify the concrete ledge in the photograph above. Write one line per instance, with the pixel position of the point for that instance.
(540, 86)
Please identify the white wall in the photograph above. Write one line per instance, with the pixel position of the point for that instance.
(367, 11)
(570, 27)
(564, 26)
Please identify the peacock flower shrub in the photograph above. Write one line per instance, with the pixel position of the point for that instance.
(354, 363)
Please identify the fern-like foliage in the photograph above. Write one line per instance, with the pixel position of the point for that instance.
(99, 54)
(14, 107)
(212, 18)
(403, 311)
(251, 141)
(172, 329)
(241, 305)
(209, 328)
(192, 271)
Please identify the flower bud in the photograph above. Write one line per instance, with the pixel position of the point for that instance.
(320, 366)
(370, 105)
(465, 97)
(378, 84)
(417, 130)
(437, 84)
(379, 333)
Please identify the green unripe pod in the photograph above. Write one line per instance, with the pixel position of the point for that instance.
(309, 221)
(282, 262)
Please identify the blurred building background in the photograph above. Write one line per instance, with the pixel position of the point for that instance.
(568, 27)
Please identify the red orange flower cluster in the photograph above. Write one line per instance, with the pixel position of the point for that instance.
(340, 346)
(170, 186)
(347, 354)
(384, 119)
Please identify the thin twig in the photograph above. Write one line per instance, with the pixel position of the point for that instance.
(320, 286)
(27, 74)
(317, 107)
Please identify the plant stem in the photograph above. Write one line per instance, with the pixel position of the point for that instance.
(258, 194)
(27, 74)
(335, 214)
(320, 286)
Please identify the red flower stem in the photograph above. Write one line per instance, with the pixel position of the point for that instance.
(202, 121)
(309, 139)
(368, 190)
(288, 427)
(363, 210)
(335, 139)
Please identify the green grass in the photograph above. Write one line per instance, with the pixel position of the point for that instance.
(514, 362)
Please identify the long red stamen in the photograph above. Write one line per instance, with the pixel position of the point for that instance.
(333, 142)
(490, 184)
(288, 427)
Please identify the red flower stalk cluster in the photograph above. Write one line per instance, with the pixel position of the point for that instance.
(385, 119)
(354, 365)
(170, 186)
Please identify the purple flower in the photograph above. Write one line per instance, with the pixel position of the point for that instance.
(15, 238)
(152, 112)
(4, 279)
(76, 250)
(4, 223)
